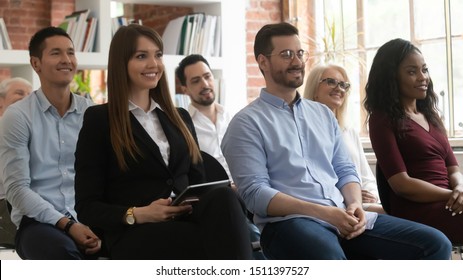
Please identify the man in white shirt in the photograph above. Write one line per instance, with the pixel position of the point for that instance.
(210, 118)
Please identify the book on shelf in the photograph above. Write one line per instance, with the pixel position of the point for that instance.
(171, 38)
(182, 100)
(217, 49)
(4, 37)
(219, 89)
(193, 33)
(117, 22)
(78, 25)
(81, 29)
(90, 35)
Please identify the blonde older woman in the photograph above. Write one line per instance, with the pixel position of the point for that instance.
(329, 84)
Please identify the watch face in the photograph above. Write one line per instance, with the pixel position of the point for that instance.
(130, 219)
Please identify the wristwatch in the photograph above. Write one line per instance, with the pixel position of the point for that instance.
(129, 217)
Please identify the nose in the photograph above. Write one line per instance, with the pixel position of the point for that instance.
(153, 62)
(66, 58)
(204, 83)
(299, 59)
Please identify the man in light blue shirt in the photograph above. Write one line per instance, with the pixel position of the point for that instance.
(37, 145)
(288, 160)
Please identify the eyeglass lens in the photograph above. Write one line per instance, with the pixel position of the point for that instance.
(334, 83)
(289, 54)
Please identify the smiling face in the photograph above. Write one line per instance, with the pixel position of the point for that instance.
(58, 63)
(145, 67)
(331, 97)
(199, 84)
(413, 77)
(285, 73)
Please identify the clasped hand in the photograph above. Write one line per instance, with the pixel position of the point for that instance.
(455, 203)
(350, 222)
(85, 239)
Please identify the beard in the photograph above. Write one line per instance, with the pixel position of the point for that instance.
(280, 78)
(203, 101)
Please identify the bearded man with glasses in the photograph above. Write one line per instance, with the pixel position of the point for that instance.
(293, 172)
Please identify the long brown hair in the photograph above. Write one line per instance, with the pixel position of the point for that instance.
(122, 48)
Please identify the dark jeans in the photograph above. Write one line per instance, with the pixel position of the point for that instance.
(38, 241)
(391, 238)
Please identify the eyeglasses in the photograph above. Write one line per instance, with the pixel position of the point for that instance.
(333, 83)
(289, 55)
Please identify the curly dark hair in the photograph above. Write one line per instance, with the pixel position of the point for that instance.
(382, 88)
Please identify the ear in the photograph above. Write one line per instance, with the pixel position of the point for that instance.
(35, 63)
(263, 62)
(184, 90)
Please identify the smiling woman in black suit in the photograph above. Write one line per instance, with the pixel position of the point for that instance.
(137, 149)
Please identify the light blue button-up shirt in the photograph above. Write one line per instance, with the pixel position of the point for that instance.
(37, 148)
(271, 147)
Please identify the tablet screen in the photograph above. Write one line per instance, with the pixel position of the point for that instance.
(194, 192)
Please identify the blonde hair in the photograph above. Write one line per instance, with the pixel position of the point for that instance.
(312, 85)
(5, 84)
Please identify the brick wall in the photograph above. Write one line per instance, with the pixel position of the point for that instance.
(258, 14)
(157, 17)
(24, 17)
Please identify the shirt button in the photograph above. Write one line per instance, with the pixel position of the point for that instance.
(170, 182)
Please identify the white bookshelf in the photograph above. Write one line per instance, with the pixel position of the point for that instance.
(231, 66)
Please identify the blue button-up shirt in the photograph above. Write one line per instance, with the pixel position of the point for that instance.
(273, 147)
(37, 148)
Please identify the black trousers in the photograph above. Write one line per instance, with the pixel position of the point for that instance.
(215, 230)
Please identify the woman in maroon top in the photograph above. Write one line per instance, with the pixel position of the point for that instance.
(410, 141)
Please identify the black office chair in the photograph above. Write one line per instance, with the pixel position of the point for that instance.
(216, 172)
(384, 189)
(7, 228)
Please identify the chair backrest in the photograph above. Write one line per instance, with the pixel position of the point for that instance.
(7, 228)
(384, 189)
(214, 170)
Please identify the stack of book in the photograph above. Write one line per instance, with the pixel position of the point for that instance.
(182, 100)
(5, 42)
(122, 21)
(195, 33)
(82, 30)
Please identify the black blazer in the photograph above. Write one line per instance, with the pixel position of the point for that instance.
(104, 192)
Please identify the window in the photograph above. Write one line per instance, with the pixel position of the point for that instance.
(349, 32)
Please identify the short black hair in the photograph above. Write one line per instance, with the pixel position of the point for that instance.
(36, 44)
(263, 41)
(188, 60)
